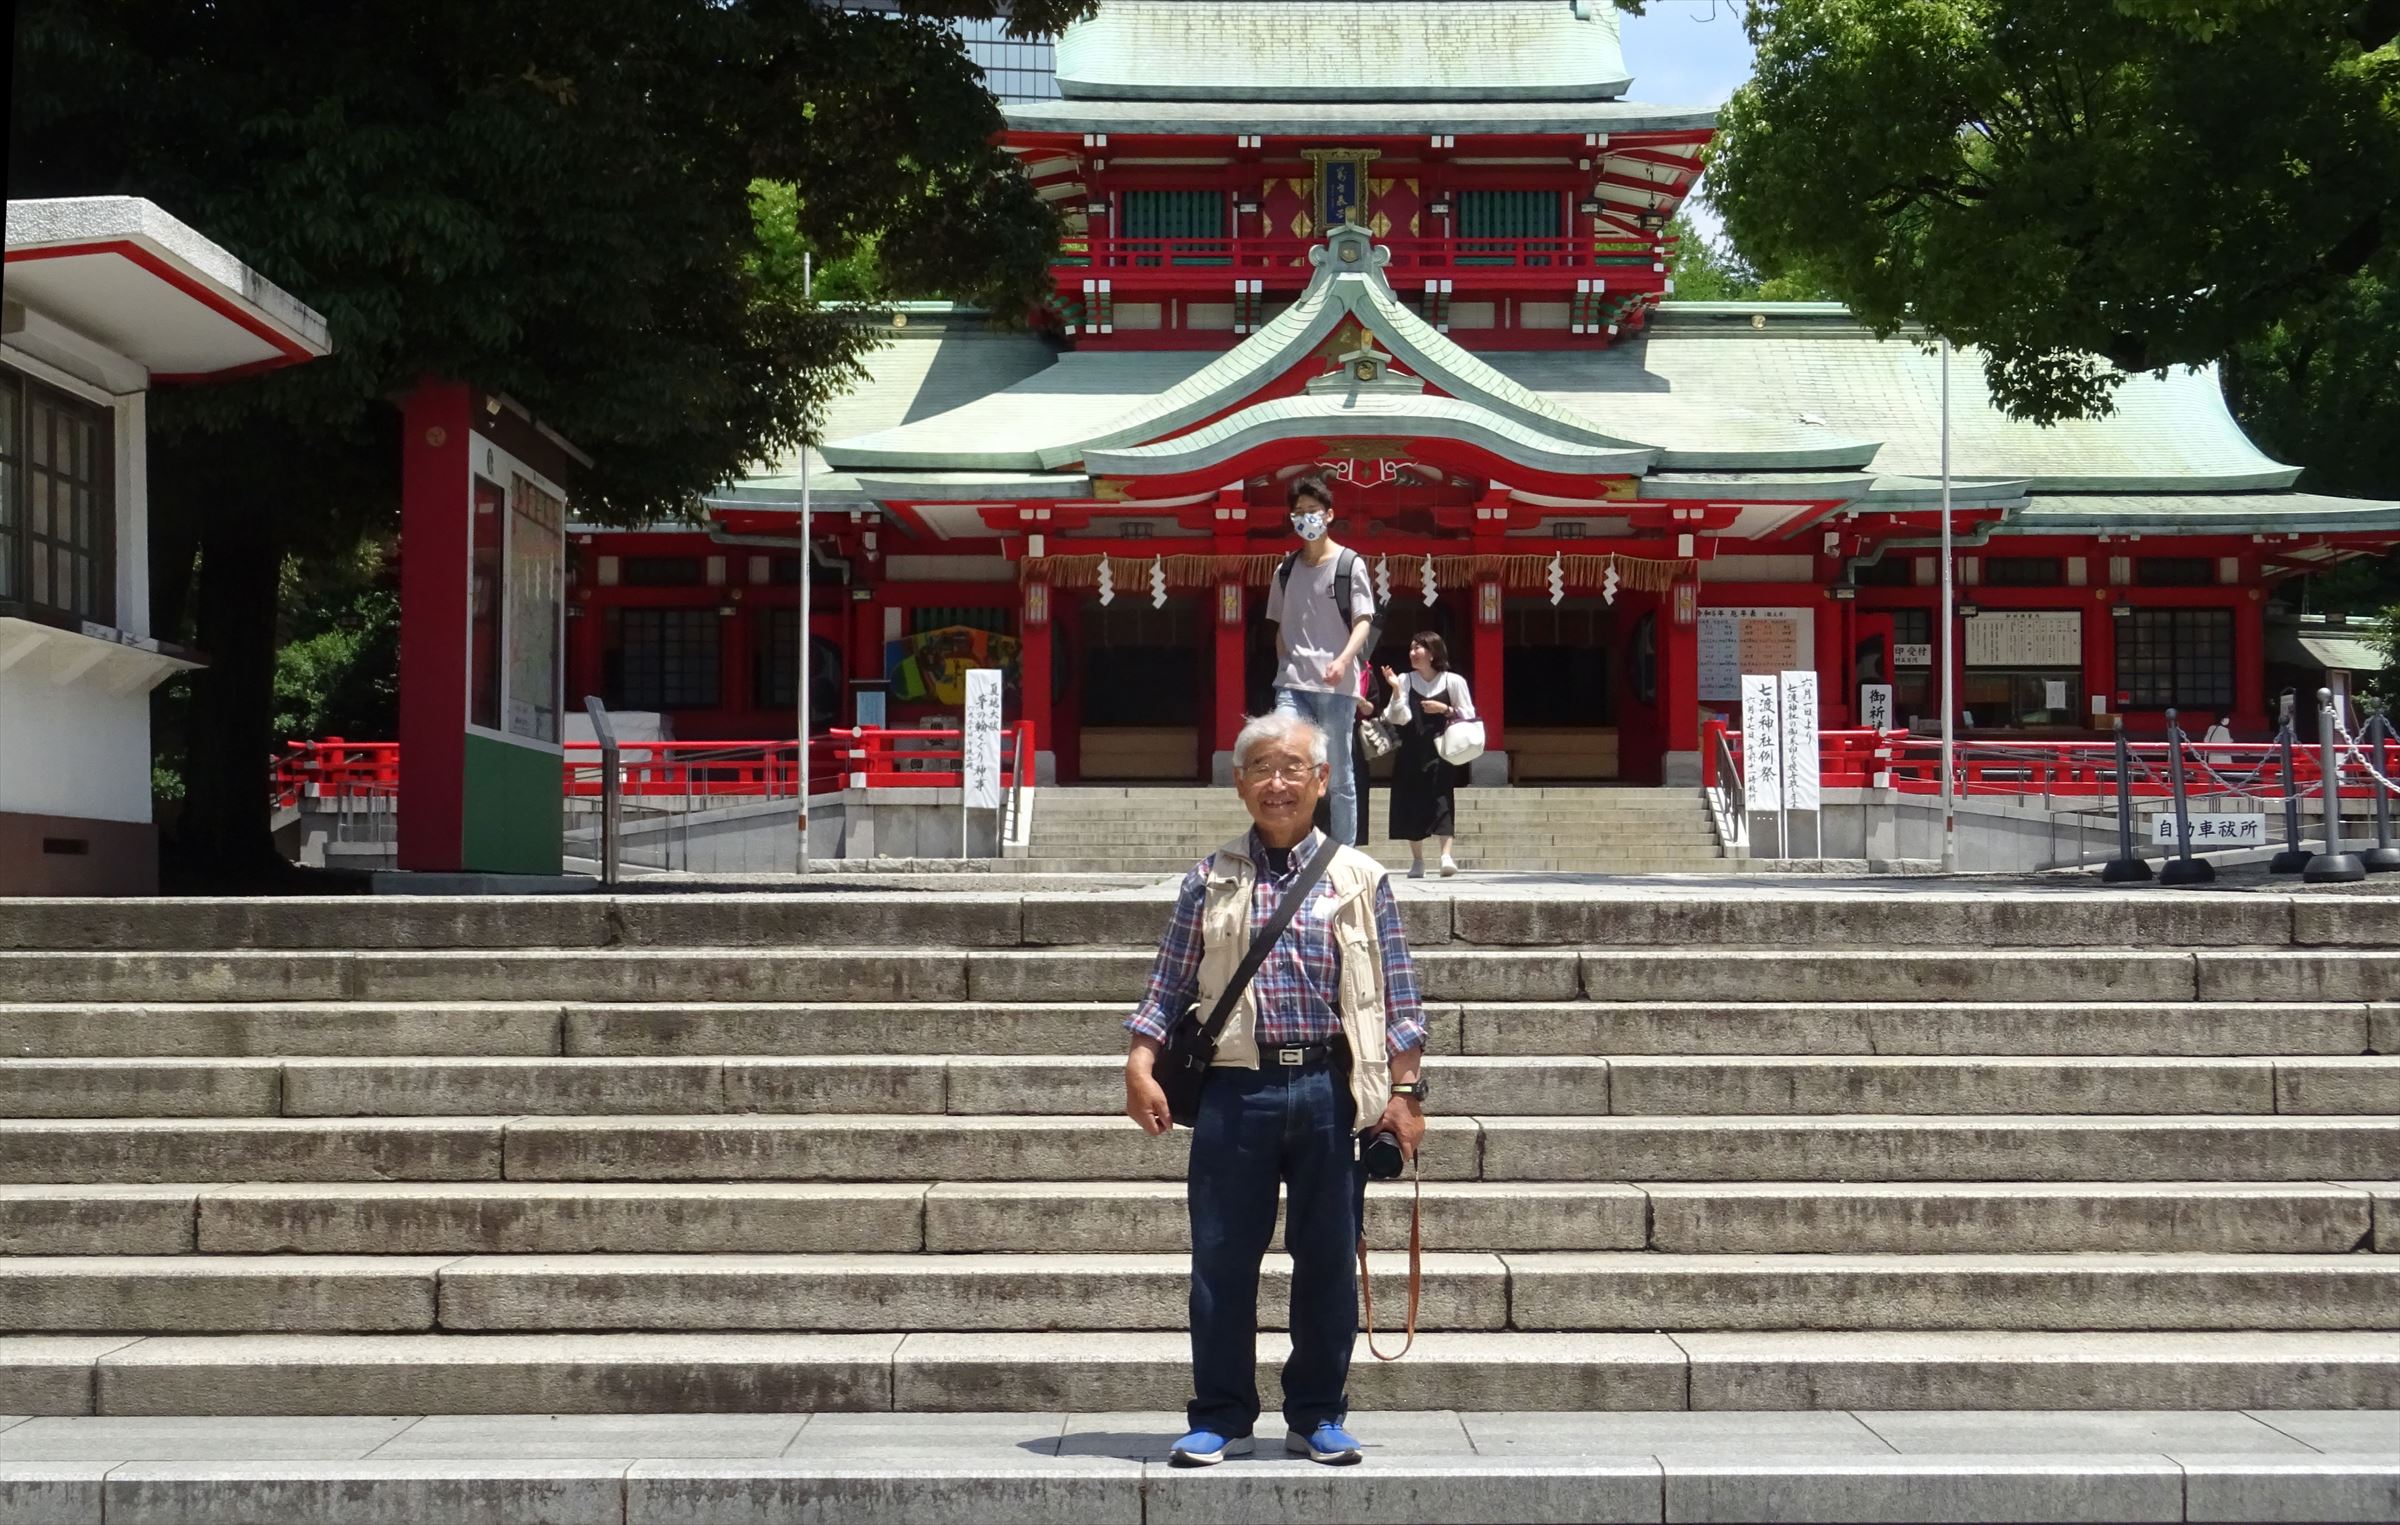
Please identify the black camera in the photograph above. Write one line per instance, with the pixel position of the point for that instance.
(1380, 1153)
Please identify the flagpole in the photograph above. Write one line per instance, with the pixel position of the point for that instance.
(1949, 656)
(808, 286)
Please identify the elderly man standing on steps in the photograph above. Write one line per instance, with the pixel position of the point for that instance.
(1323, 604)
(1326, 1040)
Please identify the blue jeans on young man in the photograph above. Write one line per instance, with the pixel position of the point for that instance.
(1335, 715)
(1258, 1128)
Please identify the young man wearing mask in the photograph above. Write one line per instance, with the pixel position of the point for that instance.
(1323, 604)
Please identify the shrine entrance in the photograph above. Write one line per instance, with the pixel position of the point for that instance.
(1565, 673)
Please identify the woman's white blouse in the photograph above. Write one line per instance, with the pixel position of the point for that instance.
(1460, 700)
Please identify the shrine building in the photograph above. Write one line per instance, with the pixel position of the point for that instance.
(1422, 249)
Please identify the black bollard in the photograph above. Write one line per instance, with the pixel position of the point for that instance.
(2294, 857)
(2127, 867)
(2332, 866)
(2383, 857)
(2183, 869)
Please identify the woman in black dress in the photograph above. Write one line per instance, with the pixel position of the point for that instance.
(1424, 702)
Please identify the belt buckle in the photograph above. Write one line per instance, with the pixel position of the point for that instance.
(1291, 1056)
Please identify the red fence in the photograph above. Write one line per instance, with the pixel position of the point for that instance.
(849, 758)
(1912, 764)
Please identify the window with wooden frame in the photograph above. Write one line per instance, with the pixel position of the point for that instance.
(58, 508)
(2024, 572)
(661, 659)
(2178, 657)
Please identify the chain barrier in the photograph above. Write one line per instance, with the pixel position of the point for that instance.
(2353, 750)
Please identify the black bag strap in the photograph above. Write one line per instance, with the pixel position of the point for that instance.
(1264, 943)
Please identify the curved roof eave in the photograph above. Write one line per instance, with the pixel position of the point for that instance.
(1418, 416)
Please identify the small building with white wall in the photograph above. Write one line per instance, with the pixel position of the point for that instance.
(105, 298)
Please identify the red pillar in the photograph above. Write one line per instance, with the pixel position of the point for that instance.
(1832, 662)
(1034, 665)
(2250, 664)
(2100, 656)
(1491, 672)
(1231, 648)
(866, 635)
(435, 528)
(1679, 685)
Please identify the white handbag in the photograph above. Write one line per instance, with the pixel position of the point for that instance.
(1461, 742)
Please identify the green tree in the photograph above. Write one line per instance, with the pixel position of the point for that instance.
(2152, 182)
(550, 198)
(1709, 269)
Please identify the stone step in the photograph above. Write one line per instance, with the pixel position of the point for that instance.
(1430, 1468)
(1084, 974)
(1006, 917)
(1857, 1148)
(867, 1148)
(2057, 1028)
(1125, 1217)
(1091, 1085)
(1593, 1291)
(1529, 1029)
(270, 1374)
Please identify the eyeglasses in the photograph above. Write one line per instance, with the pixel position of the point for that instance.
(1284, 772)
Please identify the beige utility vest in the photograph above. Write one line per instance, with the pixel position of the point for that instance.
(1225, 938)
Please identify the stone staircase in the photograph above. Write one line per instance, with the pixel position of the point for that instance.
(833, 1152)
(1133, 829)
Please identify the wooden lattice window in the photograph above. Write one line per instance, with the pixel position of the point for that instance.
(57, 504)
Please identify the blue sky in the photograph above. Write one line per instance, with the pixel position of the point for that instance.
(1687, 53)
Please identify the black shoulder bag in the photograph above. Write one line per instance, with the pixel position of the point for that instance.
(1191, 1045)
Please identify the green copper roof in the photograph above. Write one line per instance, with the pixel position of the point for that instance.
(2252, 513)
(1332, 121)
(1344, 50)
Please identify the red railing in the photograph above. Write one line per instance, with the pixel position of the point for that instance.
(850, 757)
(1264, 253)
(1912, 764)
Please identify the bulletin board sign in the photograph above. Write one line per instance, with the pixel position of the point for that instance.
(1754, 642)
(2025, 638)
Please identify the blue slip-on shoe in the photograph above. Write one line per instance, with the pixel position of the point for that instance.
(1205, 1448)
(1328, 1443)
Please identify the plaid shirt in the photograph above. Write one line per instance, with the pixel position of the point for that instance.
(1298, 985)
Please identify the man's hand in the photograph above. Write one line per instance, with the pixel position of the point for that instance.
(1333, 672)
(1145, 1099)
(1404, 1116)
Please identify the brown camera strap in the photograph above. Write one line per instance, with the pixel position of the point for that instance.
(1416, 1268)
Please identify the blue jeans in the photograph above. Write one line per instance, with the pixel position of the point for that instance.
(1336, 715)
(1256, 1128)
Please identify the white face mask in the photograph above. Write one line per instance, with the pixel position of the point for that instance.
(1310, 526)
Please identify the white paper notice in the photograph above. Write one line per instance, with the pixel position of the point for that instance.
(1762, 745)
(1800, 777)
(983, 738)
(2054, 693)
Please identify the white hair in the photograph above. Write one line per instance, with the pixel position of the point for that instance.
(1280, 725)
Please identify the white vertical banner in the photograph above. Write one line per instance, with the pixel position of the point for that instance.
(1800, 773)
(1875, 706)
(1762, 744)
(983, 738)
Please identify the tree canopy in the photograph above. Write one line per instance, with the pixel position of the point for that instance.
(549, 198)
(2151, 182)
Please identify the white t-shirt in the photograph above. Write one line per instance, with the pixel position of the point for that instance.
(1310, 631)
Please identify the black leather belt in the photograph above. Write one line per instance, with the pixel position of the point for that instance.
(1300, 1055)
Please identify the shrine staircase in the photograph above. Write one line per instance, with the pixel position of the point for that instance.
(1538, 829)
(825, 1152)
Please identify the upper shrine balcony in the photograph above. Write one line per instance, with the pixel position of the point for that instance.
(1628, 263)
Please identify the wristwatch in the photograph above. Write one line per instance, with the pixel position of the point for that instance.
(1413, 1088)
